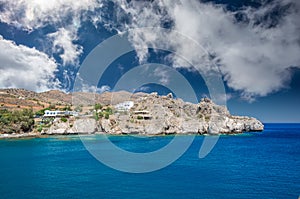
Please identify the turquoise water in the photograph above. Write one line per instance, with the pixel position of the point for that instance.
(262, 165)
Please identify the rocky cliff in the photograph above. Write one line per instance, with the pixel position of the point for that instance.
(73, 126)
(153, 115)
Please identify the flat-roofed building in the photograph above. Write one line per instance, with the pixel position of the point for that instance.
(124, 106)
(58, 113)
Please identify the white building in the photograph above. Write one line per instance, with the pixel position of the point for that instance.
(124, 106)
(60, 113)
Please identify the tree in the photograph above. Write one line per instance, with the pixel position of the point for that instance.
(16, 121)
(109, 110)
(97, 107)
(100, 115)
(41, 112)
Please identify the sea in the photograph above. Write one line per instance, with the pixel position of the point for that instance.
(250, 165)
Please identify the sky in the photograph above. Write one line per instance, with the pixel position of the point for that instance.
(254, 45)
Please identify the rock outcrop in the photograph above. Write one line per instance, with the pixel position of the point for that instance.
(154, 115)
(78, 126)
(151, 114)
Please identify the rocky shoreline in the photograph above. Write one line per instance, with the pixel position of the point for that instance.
(39, 135)
(33, 135)
(156, 115)
(152, 115)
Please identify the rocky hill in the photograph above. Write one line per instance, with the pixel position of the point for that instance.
(20, 98)
(155, 115)
(151, 114)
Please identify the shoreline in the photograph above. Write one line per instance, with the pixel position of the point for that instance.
(38, 135)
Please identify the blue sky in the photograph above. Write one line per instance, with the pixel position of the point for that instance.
(254, 43)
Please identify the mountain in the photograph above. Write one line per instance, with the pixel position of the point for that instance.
(21, 98)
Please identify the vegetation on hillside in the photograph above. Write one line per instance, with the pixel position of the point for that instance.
(105, 112)
(41, 112)
(16, 121)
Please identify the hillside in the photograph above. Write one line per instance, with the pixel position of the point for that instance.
(153, 114)
(150, 114)
(20, 98)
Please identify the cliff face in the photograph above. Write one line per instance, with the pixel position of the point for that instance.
(73, 126)
(152, 115)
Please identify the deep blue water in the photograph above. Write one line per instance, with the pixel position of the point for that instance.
(256, 165)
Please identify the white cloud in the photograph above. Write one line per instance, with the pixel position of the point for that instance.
(64, 15)
(143, 89)
(83, 85)
(33, 14)
(103, 89)
(24, 67)
(254, 57)
(64, 45)
(163, 75)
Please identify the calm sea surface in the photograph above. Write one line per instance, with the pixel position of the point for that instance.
(256, 165)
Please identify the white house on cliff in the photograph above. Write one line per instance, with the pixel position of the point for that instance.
(60, 113)
(124, 106)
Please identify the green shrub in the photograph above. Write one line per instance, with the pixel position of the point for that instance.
(97, 107)
(140, 117)
(39, 129)
(207, 118)
(41, 112)
(64, 119)
(48, 120)
(106, 116)
(109, 111)
(16, 121)
(96, 116)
